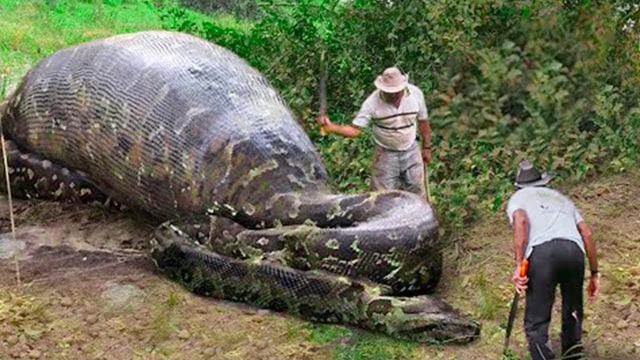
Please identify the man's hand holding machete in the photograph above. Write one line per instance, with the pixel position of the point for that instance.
(520, 237)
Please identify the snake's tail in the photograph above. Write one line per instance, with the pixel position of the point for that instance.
(4, 104)
(32, 176)
(4, 98)
(315, 295)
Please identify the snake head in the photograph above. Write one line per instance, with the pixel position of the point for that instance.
(421, 318)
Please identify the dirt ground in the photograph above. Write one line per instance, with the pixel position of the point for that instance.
(480, 263)
(89, 291)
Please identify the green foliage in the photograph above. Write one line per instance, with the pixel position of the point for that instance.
(26, 316)
(556, 82)
(241, 8)
(509, 355)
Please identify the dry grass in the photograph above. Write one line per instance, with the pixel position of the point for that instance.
(64, 316)
(480, 265)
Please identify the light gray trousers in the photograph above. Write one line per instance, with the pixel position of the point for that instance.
(399, 170)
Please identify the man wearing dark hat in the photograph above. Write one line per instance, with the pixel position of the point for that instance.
(396, 109)
(550, 232)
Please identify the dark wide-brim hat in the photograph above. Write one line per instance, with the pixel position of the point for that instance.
(528, 175)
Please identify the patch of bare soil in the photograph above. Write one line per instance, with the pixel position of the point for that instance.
(90, 291)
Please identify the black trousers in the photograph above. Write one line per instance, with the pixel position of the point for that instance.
(558, 261)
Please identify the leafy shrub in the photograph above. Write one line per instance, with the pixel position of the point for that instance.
(554, 81)
(241, 8)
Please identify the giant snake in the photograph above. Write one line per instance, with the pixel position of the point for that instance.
(184, 130)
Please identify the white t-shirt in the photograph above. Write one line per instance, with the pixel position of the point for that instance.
(551, 215)
(394, 128)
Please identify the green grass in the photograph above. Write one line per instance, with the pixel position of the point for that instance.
(358, 345)
(163, 323)
(375, 347)
(32, 30)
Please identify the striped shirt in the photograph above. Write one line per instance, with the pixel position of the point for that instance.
(393, 128)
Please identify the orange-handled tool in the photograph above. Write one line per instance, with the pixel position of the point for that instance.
(524, 268)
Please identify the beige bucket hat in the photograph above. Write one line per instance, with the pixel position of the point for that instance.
(391, 80)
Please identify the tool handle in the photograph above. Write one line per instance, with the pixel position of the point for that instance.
(323, 91)
(426, 184)
(524, 268)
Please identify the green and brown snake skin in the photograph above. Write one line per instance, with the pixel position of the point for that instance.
(184, 130)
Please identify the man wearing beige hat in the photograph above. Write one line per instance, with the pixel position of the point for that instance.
(396, 109)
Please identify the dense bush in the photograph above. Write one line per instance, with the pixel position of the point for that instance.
(247, 9)
(555, 81)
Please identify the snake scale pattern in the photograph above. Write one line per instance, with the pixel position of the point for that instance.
(184, 130)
